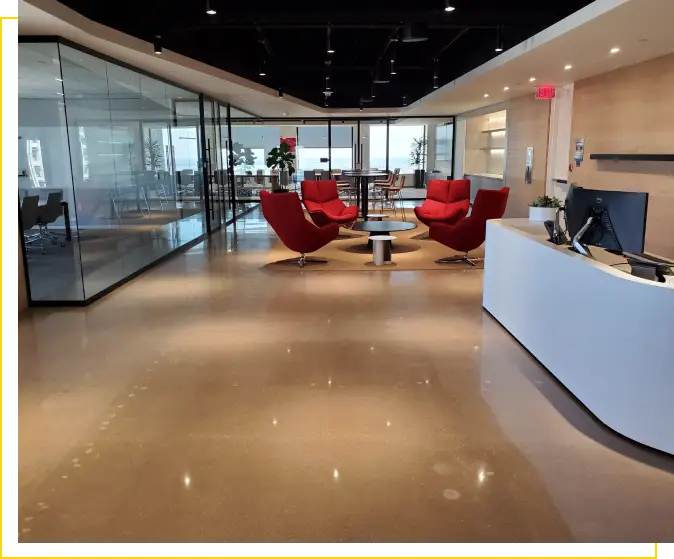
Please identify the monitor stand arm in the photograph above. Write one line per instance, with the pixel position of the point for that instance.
(580, 247)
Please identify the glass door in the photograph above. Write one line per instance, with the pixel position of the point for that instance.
(212, 164)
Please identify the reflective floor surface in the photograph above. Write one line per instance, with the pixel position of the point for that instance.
(209, 400)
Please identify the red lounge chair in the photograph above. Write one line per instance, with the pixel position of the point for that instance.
(284, 213)
(469, 233)
(321, 200)
(446, 202)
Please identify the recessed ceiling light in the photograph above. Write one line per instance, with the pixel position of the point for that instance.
(532, 79)
(448, 7)
(568, 67)
(486, 95)
(210, 11)
(506, 88)
(263, 73)
(331, 51)
(615, 50)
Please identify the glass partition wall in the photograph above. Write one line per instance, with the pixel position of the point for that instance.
(117, 169)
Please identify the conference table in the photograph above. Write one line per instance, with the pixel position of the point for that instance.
(363, 178)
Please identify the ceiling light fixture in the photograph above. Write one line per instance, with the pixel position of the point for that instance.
(615, 50)
(210, 11)
(486, 95)
(532, 79)
(449, 8)
(329, 48)
(374, 92)
(393, 67)
(499, 39)
(157, 45)
(327, 83)
(506, 88)
(413, 34)
(568, 67)
(263, 71)
(404, 100)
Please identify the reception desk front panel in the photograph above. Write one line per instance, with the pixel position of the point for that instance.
(604, 334)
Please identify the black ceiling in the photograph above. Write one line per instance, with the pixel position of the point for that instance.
(291, 38)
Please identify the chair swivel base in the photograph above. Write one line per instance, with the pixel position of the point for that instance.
(460, 258)
(303, 260)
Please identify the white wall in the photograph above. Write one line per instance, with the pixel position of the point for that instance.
(561, 115)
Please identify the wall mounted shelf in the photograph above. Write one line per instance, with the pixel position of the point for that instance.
(632, 156)
(493, 130)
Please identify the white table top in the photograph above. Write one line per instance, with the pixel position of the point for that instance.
(383, 238)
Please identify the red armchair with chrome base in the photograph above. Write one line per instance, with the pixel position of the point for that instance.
(446, 202)
(469, 233)
(284, 213)
(321, 200)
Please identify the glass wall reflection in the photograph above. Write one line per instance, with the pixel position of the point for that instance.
(124, 151)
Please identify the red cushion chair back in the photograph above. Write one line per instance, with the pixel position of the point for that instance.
(321, 199)
(459, 190)
(319, 192)
(490, 204)
(283, 211)
(438, 190)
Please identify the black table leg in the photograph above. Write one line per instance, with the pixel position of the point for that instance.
(357, 184)
(363, 186)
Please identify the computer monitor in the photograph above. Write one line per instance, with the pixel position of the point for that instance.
(611, 219)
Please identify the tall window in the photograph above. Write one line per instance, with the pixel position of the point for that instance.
(401, 139)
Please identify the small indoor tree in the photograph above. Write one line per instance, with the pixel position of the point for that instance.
(283, 159)
(418, 160)
(154, 159)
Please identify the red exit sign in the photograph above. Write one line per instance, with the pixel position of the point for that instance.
(545, 92)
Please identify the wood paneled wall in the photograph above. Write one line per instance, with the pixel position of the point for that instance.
(630, 110)
(527, 126)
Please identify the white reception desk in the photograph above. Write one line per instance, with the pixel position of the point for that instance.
(604, 334)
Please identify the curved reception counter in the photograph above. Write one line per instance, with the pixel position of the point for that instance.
(606, 335)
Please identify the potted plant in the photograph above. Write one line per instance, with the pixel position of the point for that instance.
(154, 159)
(283, 160)
(418, 159)
(544, 208)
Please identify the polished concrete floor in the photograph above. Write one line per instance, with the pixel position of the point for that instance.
(210, 400)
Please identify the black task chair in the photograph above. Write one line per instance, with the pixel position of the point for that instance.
(29, 210)
(48, 214)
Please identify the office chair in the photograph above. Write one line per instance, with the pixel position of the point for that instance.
(29, 208)
(48, 214)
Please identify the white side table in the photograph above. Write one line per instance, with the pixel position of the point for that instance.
(377, 217)
(381, 249)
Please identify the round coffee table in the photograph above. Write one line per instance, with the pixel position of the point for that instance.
(382, 227)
